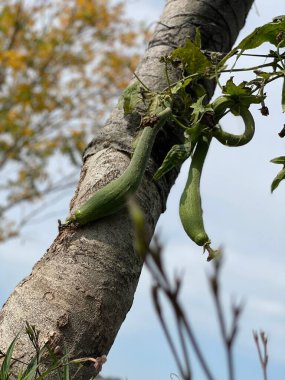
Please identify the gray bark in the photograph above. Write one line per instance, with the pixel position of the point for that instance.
(79, 293)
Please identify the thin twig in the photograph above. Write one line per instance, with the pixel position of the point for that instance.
(228, 338)
(262, 358)
(141, 82)
(155, 266)
(197, 349)
(247, 68)
(165, 329)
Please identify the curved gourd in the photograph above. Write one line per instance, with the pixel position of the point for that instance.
(113, 197)
(232, 140)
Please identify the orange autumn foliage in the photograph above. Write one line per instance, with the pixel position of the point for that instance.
(59, 65)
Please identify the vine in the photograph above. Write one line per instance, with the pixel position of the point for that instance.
(199, 119)
(188, 110)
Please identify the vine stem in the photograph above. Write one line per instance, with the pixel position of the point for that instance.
(259, 55)
(141, 82)
(247, 68)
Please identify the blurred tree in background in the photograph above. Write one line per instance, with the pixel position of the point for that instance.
(62, 64)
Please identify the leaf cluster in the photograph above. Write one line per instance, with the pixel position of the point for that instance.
(199, 120)
(194, 115)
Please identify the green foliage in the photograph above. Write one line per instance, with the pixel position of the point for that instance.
(5, 370)
(193, 60)
(199, 119)
(199, 109)
(236, 90)
(273, 32)
(241, 95)
(278, 160)
(266, 33)
(130, 97)
(281, 175)
(175, 157)
(59, 365)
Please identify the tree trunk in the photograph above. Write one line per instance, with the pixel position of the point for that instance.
(79, 293)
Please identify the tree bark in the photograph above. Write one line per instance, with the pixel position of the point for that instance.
(79, 293)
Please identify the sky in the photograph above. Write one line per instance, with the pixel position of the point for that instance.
(240, 213)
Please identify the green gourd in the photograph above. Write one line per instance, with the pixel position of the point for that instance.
(190, 208)
(113, 197)
(229, 139)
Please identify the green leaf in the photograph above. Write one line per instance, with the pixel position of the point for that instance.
(193, 133)
(181, 85)
(199, 109)
(5, 367)
(199, 90)
(66, 373)
(66, 369)
(32, 366)
(130, 98)
(20, 374)
(264, 33)
(241, 94)
(138, 219)
(263, 74)
(278, 160)
(245, 101)
(176, 156)
(231, 88)
(280, 177)
(283, 95)
(197, 40)
(193, 60)
(154, 106)
(30, 371)
(158, 103)
(198, 106)
(30, 375)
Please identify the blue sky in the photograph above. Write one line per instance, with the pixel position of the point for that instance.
(239, 213)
